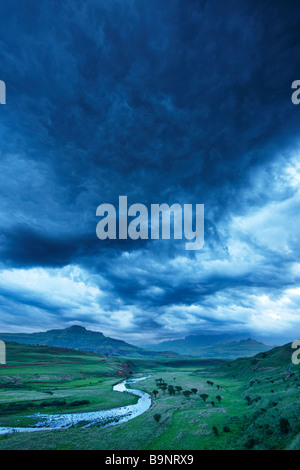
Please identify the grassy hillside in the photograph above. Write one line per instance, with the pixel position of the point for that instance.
(39, 378)
(250, 403)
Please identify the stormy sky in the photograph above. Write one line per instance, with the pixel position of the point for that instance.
(164, 101)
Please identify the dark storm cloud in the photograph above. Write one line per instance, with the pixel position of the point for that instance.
(161, 101)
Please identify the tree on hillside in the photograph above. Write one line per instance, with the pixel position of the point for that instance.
(284, 425)
(248, 399)
(159, 381)
(155, 393)
(178, 388)
(171, 390)
(204, 396)
(187, 393)
(194, 390)
(157, 417)
(219, 398)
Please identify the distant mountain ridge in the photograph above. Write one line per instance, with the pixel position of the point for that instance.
(78, 337)
(204, 346)
(235, 349)
(192, 342)
(207, 346)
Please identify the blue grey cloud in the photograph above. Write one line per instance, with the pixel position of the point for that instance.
(178, 101)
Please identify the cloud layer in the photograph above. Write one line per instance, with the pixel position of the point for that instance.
(165, 102)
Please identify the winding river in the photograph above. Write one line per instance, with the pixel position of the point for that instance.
(103, 418)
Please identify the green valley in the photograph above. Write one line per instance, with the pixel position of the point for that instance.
(249, 403)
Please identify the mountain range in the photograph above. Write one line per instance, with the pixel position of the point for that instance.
(204, 346)
(221, 346)
(78, 337)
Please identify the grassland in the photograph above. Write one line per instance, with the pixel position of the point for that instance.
(258, 405)
(48, 379)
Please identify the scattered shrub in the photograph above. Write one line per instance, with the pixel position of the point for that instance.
(79, 403)
(248, 399)
(250, 443)
(204, 396)
(53, 403)
(284, 425)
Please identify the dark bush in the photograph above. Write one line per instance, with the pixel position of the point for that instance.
(20, 406)
(79, 403)
(204, 396)
(248, 399)
(53, 403)
(250, 443)
(284, 425)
